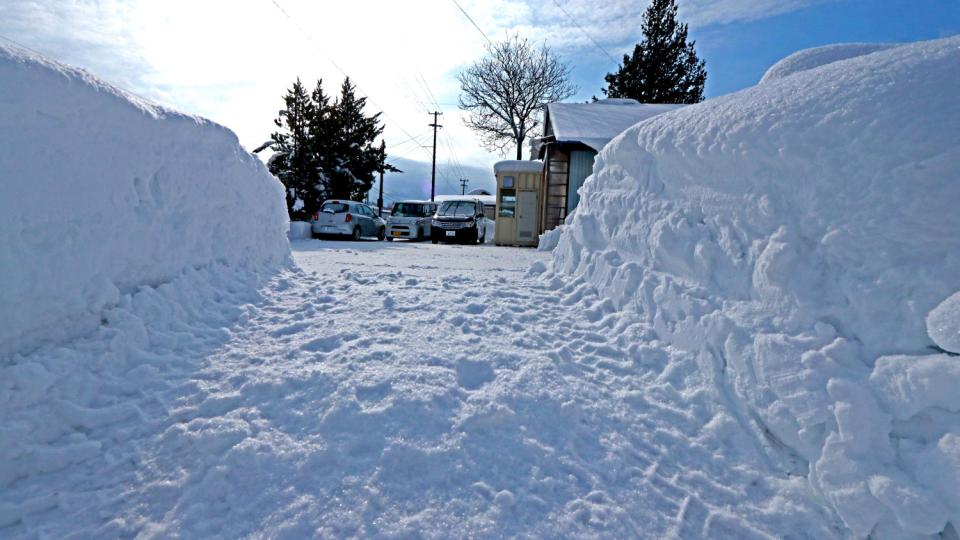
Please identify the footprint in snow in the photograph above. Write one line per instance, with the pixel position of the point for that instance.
(322, 344)
(472, 374)
(372, 393)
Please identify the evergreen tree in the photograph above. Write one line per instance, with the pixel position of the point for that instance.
(323, 150)
(293, 161)
(321, 132)
(664, 67)
(353, 160)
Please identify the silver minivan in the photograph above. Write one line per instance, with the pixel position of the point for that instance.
(347, 218)
(410, 219)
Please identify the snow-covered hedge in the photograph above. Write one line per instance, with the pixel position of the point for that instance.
(796, 235)
(299, 230)
(101, 193)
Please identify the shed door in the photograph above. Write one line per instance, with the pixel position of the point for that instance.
(526, 216)
(581, 167)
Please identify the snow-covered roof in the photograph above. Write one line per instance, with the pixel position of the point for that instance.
(515, 166)
(596, 124)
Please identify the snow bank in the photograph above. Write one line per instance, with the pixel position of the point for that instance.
(820, 56)
(300, 230)
(796, 236)
(103, 193)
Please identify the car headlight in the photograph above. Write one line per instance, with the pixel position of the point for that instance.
(434, 223)
(471, 223)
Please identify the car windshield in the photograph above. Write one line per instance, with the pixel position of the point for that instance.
(409, 210)
(335, 207)
(457, 209)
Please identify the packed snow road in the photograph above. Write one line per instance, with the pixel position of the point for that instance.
(391, 389)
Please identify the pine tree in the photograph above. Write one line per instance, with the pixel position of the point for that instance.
(293, 161)
(321, 132)
(664, 67)
(323, 150)
(353, 160)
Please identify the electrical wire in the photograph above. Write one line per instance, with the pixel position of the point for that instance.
(584, 32)
(337, 66)
(474, 23)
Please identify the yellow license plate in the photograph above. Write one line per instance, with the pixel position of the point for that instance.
(396, 233)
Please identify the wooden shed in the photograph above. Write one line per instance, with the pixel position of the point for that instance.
(519, 197)
(574, 133)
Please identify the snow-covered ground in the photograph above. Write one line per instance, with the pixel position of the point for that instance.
(392, 389)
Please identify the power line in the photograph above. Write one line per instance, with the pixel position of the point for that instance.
(584, 32)
(469, 18)
(405, 141)
(340, 69)
(413, 94)
(427, 88)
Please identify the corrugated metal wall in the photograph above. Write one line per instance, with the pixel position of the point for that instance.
(581, 166)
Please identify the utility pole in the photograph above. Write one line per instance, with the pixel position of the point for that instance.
(433, 171)
(380, 197)
(389, 168)
(463, 186)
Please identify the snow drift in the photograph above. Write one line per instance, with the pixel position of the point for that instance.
(820, 56)
(103, 193)
(796, 236)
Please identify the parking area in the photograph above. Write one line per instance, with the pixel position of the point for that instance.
(419, 258)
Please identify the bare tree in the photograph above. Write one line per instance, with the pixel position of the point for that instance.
(506, 91)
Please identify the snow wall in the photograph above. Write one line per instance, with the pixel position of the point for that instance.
(102, 193)
(796, 236)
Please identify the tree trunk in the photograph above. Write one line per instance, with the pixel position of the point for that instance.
(519, 150)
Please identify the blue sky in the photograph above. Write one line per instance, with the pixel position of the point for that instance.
(231, 61)
(738, 53)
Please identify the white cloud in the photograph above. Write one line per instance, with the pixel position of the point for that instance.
(231, 61)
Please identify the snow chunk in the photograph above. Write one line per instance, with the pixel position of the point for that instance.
(820, 56)
(943, 324)
(550, 239)
(911, 384)
(104, 192)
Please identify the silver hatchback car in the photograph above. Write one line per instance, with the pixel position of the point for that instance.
(347, 218)
(410, 219)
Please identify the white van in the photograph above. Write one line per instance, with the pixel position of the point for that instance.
(410, 220)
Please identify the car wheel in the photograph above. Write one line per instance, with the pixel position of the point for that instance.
(389, 239)
(419, 235)
(434, 240)
(356, 234)
(382, 233)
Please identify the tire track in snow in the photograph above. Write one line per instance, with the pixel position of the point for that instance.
(474, 402)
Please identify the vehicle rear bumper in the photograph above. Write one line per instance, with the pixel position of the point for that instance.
(331, 230)
(459, 235)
